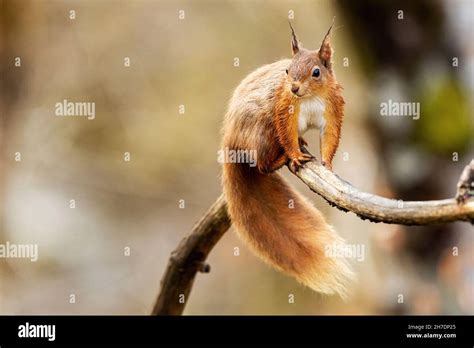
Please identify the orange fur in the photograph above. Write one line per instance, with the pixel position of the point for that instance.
(279, 224)
(332, 134)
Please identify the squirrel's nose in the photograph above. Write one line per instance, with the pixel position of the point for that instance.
(295, 88)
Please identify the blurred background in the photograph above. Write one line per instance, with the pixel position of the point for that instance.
(106, 200)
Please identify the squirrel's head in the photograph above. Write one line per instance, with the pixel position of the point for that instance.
(310, 72)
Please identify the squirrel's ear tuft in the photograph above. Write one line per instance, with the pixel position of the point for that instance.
(325, 51)
(295, 45)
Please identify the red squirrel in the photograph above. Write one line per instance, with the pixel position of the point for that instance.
(268, 113)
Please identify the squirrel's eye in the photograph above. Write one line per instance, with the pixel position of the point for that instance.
(316, 72)
(286, 71)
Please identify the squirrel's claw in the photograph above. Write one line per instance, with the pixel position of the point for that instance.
(294, 165)
(326, 165)
(297, 162)
(302, 142)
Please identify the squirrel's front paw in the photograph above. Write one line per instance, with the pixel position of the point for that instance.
(327, 165)
(299, 160)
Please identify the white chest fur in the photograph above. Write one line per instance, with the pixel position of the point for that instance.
(311, 114)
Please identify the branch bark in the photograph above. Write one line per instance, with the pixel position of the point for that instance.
(190, 255)
(341, 194)
(189, 258)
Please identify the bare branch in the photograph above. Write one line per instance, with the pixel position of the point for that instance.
(341, 194)
(190, 255)
(466, 184)
(189, 258)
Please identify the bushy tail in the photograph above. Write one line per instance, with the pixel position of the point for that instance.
(284, 229)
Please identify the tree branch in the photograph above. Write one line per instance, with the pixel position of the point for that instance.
(190, 255)
(188, 259)
(341, 194)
